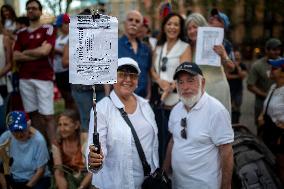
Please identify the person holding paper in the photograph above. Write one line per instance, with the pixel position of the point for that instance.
(118, 165)
(217, 84)
(171, 50)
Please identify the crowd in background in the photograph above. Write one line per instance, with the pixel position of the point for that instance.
(34, 59)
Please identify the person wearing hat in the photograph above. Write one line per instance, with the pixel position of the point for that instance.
(258, 81)
(200, 151)
(272, 116)
(61, 72)
(216, 81)
(118, 165)
(28, 153)
(225, 51)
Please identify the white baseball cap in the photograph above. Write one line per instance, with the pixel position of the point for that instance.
(126, 61)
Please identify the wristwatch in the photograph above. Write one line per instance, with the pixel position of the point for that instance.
(227, 59)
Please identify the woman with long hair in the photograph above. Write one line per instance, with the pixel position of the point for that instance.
(171, 50)
(68, 153)
(216, 81)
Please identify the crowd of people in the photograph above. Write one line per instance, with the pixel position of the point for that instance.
(181, 112)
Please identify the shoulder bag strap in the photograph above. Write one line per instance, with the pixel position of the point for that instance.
(160, 58)
(268, 101)
(146, 166)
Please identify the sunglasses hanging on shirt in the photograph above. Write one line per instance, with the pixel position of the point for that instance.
(183, 124)
(164, 64)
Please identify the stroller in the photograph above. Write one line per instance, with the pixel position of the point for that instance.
(254, 163)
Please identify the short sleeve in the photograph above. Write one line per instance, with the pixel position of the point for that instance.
(50, 34)
(17, 46)
(221, 130)
(252, 77)
(42, 156)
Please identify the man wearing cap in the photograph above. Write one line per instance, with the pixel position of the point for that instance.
(32, 52)
(221, 20)
(200, 151)
(130, 46)
(28, 153)
(61, 71)
(258, 81)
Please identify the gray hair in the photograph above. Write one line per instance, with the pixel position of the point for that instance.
(197, 18)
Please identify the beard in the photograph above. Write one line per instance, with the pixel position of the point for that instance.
(191, 101)
(34, 18)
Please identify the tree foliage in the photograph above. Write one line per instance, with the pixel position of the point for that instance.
(56, 6)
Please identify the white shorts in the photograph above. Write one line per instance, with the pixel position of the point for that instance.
(37, 95)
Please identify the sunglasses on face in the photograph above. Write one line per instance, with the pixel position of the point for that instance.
(164, 64)
(124, 75)
(183, 131)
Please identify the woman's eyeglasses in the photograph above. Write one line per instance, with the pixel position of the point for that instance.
(164, 64)
(183, 131)
(124, 75)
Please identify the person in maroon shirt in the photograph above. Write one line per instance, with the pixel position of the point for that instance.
(32, 51)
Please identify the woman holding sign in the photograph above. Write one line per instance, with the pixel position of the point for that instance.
(118, 165)
(216, 81)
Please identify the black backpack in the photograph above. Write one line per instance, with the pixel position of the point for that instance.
(254, 164)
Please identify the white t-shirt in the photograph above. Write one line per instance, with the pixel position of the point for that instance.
(145, 134)
(60, 42)
(276, 104)
(196, 160)
(173, 60)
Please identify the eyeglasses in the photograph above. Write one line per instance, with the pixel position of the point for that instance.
(32, 8)
(124, 75)
(164, 64)
(183, 131)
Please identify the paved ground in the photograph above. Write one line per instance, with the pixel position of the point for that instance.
(247, 108)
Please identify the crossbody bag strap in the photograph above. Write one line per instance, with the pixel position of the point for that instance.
(268, 101)
(146, 166)
(160, 58)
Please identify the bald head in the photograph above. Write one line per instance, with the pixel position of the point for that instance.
(136, 13)
(133, 22)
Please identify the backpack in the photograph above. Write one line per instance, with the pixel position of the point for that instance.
(253, 162)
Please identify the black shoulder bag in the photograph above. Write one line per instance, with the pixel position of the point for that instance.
(156, 180)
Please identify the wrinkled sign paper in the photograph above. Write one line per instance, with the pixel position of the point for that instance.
(207, 37)
(93, 49)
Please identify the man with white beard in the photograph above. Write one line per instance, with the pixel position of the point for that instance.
(200, 151)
